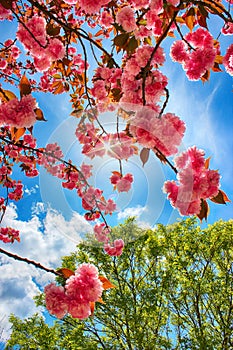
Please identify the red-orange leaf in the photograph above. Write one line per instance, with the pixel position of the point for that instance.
(24, 86)
(6, 95)
(17, 133)
(116, 173)
(190, 18)
(204, 212)
(39, 115)
(92, 307)
(106, 283)
(216, 68)
(221, 198)
(207, 163)
(66, 273)
(100, 300)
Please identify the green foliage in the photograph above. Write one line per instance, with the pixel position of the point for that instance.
(173, 291)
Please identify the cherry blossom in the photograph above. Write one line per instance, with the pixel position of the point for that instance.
(80, 289)
(126, 18)
(9, 235)
(56, 300)
(18, 113)
(228, 60)
(196, 182)
(116, 249)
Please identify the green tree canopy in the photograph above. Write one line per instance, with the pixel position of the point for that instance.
(174, 290)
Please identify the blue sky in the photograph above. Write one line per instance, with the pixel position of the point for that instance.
(50, 218)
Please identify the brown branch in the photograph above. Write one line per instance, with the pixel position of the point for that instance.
(165, 102)
(147, 66)
(28, 261)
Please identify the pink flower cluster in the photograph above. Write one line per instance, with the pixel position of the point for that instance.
(201, 58)
(121, 183)
(92, 6)
(44, 49)
(125, 17)
(196, 182)
(4, 13)
(116, 249)
(18, 113)
(120, 146)
(117, 145)
(9, 235)
(101, 232)
(228, 60)
(17, 193)
(131, 81)
(51, 160)
(164, 134)
(80, 289)
(105, 81)
(93, 144)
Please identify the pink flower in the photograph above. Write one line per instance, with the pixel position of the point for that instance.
(88, 270)
(125, 17)
(85, 285)
(154, 22)
(200, 38)
(56, 300)
(18, 113)
(193, 156)
(70, 2)
(92, 6)
(3, 64)
(199, 59)
(178, 51)
(228, 60)
(4, 13)
(196, 182)
(36, 30)
(106, 19)
(55, 49)
(228, 28)
(86, 170)
(110, 207)
(156, 5)
(99, 90)
(78, 310)
(124, 184)
(120, 146)
(101, 232)
(8, 234)
(164, 133)
(116, 249)
(43, 63)
(138, 4)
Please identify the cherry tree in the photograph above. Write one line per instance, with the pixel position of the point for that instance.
(51, 52)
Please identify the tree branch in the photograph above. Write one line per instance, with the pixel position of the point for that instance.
(28, 261)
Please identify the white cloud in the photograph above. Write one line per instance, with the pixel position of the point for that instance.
(31, 190)
(129, 212)
(44, 240)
